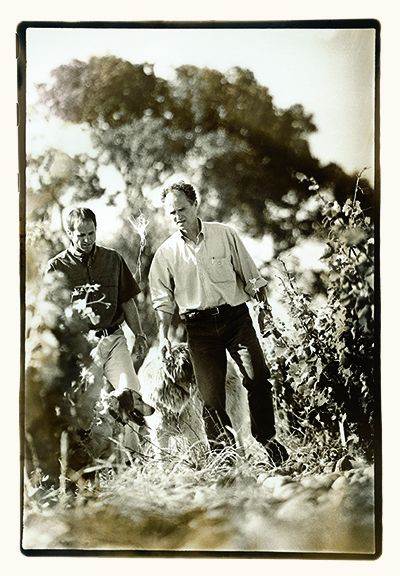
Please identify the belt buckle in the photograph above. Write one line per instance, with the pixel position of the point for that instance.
(102, 332)
(191, 315)
(217, 311)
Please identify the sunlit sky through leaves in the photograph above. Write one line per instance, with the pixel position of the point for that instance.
(330, 72)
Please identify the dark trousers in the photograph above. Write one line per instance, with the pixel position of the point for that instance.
(209, 339)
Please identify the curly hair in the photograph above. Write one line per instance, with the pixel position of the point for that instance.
(78, 215)
(181, 186)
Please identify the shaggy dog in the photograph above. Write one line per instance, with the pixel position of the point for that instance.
(178, 419)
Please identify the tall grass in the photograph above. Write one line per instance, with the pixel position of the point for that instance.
(225, 502)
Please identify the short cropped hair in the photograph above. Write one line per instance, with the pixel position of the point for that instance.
(181, 186)
(79, 215)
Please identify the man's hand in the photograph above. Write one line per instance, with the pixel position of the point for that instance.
(133, 321)
(140, 347)
(265, 318)
(165, 349)
(266, 321)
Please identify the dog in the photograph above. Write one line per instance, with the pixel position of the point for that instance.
(119, 422)
(177, 423)
(127, 406)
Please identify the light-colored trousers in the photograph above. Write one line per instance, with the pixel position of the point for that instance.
(111, 356)
(111, 361)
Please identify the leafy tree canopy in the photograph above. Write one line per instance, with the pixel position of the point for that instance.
(249, 160)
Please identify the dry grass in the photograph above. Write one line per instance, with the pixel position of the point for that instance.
(219, 503)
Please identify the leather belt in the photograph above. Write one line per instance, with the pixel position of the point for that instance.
(107, 331)
(198, 314)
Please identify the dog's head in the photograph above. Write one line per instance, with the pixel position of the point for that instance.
(169, 384)
(176, 379)
(127, 405)
(178, 368)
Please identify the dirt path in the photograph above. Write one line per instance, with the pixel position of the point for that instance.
(331, 512)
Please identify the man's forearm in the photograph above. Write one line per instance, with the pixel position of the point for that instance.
(132, 316)
(164, 322)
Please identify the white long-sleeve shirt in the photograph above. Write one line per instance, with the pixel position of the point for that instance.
(216, 269)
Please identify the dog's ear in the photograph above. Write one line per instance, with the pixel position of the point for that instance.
(140, 405)
(120, 404)
(125, 399)
(131, 407)
(183, 373)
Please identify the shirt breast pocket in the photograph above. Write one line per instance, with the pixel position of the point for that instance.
(106, 281)
(107, 291)
(221, 270)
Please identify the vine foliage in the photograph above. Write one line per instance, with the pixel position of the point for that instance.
(323, 364)
(58, 351)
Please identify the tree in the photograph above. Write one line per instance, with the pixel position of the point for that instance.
(249, 160)
(106, 87)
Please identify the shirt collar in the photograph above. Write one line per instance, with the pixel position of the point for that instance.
(79, 255)
(200, 234)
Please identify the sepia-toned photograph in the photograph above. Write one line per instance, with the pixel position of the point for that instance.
(200, 318)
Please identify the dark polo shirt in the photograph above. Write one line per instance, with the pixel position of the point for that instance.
(104, 267)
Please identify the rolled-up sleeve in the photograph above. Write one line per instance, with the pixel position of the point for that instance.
(127, 285)
(161, 284)
(244, 266)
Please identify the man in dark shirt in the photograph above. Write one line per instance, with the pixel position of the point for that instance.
(102, 280)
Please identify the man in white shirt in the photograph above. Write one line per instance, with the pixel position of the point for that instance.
(206, 271)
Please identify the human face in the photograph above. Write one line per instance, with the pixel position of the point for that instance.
(182, 213)
(83, 238)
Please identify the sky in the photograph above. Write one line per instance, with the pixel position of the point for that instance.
(330, 72)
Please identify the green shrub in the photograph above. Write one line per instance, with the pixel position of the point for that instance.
(323, 362)
(56, 352)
